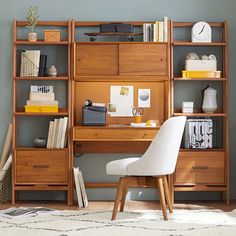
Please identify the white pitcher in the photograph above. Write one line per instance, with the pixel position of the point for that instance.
(209, 101)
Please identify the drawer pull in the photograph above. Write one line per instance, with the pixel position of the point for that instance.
(40, 166)
(200, 167)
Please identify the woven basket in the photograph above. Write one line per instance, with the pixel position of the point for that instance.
(4, 189)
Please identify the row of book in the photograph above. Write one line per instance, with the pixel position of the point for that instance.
(32, 63)
(157, 32)
(41, 99)
(80, 188)
(57, 133)
(198, 134)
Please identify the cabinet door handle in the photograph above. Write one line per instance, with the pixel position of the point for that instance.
(200, 167)
(40, 166)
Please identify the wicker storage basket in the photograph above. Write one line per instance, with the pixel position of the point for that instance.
(4, 189)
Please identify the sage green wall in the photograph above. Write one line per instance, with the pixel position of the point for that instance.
(93, 166)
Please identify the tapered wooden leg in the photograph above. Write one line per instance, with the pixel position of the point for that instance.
(118, 195)
(162, 197)
(167, 194)
(122, 203)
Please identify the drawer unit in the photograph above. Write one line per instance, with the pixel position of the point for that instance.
(41, 167)
(199, 167)
(113, 134)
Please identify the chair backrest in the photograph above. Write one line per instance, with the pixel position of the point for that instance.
(161, 156)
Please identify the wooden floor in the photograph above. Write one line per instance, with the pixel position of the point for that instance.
(130, 205)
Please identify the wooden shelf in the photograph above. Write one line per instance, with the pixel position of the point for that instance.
(21, 112)
(40, 149)
(199, 79)
(200, 114)
(40, 42)
(117, 42)
(187, 43)
(41, 78)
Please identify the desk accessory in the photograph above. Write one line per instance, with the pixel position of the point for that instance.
(187, 107)
(94, 115)
(201, 32)
(137, 113)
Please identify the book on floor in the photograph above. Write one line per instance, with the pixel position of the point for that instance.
(77, 186)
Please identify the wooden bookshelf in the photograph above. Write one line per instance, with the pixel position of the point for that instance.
(207, 169)
(43, 169)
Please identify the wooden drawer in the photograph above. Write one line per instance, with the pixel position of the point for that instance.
(113, 134)
(143, 59)
(200, 168)
(97, 59)
(41, 167)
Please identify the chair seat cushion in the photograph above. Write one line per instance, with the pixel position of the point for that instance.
(119, 167)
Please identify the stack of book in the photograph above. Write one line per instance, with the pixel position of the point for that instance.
(41, 99)
(57, 133)
(198, 133)
(157, 32)
(80, 188)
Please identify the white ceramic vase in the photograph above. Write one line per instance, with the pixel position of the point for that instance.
(209, 101)
(32, 36)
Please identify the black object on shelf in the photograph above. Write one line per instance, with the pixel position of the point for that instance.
(42, 65)
(116, 28)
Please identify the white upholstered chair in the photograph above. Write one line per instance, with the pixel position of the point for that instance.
(153, 167)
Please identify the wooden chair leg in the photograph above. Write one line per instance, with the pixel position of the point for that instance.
(122, 204)
(162, 197)
(167, 194)
(117, 200)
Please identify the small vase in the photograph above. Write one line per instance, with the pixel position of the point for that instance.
(209, 101)
(32, 37)
(52, 71)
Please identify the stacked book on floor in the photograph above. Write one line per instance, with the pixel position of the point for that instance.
(41, 99)
(57, 133)
(157, 32)
(198, 133)
(80, 188)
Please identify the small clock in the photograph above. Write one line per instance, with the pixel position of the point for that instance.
(201, 32)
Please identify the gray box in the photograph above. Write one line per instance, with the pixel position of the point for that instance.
(93, 115)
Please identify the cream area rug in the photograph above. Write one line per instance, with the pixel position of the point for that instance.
(97, 223)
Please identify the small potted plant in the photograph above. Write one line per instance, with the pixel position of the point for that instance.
(32, 20)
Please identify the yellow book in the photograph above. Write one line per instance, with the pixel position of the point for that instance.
(200, 74)
(41, 108)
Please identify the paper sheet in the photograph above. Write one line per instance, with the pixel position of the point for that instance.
(144, 98)
(122, 98)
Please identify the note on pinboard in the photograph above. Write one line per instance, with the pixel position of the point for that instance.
(122, 97)
(144, 98)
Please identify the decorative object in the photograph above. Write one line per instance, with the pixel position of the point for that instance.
(40, 142)
(144, 98)
(201, 32)
(52, 71)
(209, 104)
(32, 18)
(210, 222)
(187, 107)
(52, 35)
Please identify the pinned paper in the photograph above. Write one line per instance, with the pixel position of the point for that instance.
(144, 98)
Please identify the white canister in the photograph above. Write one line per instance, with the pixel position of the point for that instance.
(209, 100)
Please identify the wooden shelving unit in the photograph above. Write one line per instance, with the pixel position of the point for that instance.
(101, 64)
(208, 169)
(41, 168)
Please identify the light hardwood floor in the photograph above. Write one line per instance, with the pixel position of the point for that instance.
(130, 205)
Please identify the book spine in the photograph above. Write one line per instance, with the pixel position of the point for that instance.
(165, 29)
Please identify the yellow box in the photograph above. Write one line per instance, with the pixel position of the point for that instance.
(52, 35)
(201, 74)
(43, 109)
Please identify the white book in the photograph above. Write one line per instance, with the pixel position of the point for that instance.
(59, 134)
(143, 125)
(42, 103)
(155, 32)
(165, 29)
(83, 191)
(77, 186)
(63, 135)
(50, 130)
(54, 133)
(30, 63)
(160, 33)
(42, 96)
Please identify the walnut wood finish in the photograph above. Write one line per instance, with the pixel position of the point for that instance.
(159, 182)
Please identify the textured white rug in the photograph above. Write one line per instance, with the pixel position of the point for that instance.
(97, 223)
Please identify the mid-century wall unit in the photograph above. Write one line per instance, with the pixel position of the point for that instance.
(93, 67)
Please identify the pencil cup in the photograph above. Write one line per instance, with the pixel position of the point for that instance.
(137, 119)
